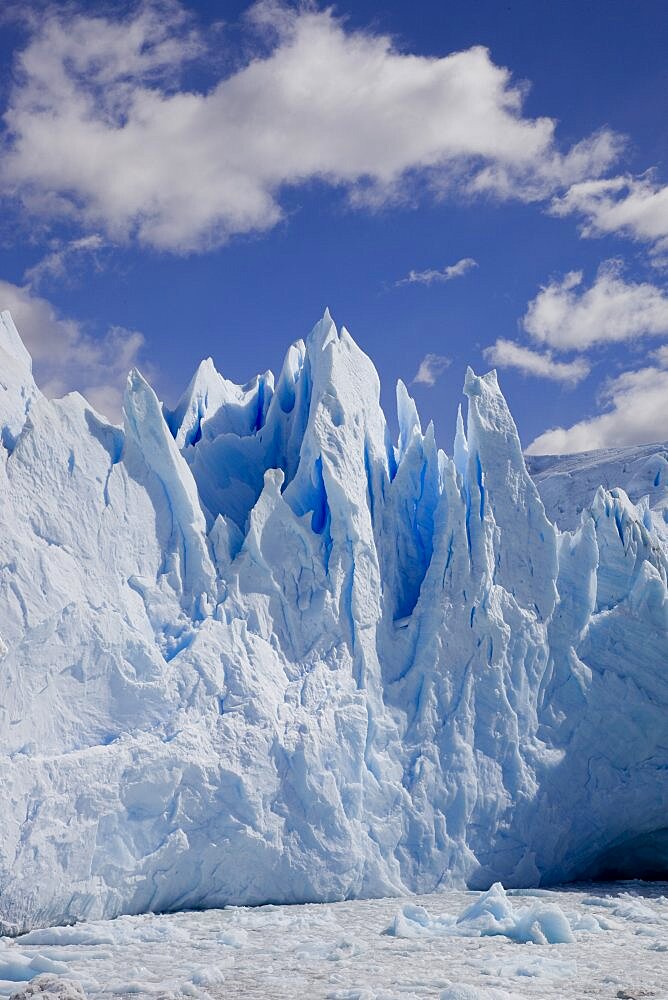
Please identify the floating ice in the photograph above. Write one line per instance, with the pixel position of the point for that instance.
(337, 950)
(539, 922)
(492, 914)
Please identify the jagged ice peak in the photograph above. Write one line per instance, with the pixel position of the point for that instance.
(254, 650)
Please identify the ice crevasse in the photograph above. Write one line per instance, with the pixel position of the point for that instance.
(251, 650)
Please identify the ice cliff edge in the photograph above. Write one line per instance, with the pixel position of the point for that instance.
(253, 651)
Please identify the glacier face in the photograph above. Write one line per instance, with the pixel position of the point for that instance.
(252, 651)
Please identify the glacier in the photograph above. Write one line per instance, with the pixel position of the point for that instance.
(253, 651)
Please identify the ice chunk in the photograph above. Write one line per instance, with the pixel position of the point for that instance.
(541, 923)
(16, 966)
(414, 921)
(48, 987)
(490, 915)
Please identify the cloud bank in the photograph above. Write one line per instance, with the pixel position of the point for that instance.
(101, 130)
(567, 316)
(636, 413)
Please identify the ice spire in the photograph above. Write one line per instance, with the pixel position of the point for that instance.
(461, 448)
(146, 428)
(525, 554)
(409, 421)
(18, 390)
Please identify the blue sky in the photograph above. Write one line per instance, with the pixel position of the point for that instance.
(461, 183)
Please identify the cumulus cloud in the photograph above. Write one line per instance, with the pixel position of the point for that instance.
(509, 354)
(566, 316)
(432, 275)
(626, 206)
(66, 357)
(636, 414)
(431, 366)
(99, 129)
(569, 317)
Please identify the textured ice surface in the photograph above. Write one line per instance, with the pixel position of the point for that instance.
(617, 947)
(491, 915)
(568, 483)
(252, 651)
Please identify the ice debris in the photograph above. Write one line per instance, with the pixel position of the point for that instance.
(48, 987)
(492, 914)
(335, 950)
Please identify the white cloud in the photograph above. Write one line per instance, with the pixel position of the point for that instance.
(66, 357)
(568, 317)
(97, 128)
(661, 355)
(431, 366)
(64, 257)
(508, 354)
(588, 158)
(627, 206)
(432, 275)
(636, 414)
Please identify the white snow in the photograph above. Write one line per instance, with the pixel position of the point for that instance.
(251, 651)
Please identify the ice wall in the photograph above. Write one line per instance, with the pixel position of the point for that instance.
(252, 651)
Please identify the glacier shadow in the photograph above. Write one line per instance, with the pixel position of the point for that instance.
(645, 888)
(108, 435)
(643, 857)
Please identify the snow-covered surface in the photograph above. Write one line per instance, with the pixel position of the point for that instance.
(568, 483)
(610, 941)
(252, 651)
